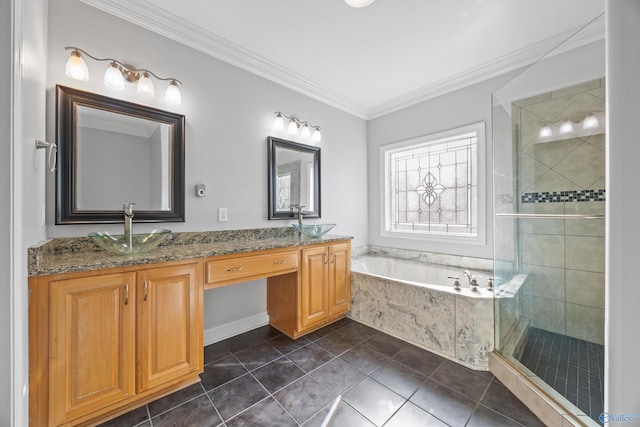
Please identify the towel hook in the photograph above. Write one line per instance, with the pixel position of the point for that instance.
(52, 150)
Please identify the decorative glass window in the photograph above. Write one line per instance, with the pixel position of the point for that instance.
(283, 189)
(432, 185)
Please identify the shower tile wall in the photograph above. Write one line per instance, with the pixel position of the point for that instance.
(564, 258)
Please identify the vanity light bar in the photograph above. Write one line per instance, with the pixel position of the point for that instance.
(294, 126)
(117, 72)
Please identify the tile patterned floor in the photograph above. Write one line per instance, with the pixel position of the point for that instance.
(346, 374)
(573, 367)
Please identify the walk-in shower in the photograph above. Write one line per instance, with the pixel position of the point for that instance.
(549, 203)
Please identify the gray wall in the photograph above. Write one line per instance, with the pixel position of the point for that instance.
(622, 345)
(229, 113)
(459, 108)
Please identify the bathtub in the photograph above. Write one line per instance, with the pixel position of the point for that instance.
(416, 302)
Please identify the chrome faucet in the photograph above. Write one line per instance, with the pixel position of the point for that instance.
(128, 219)
(300, 216)
(473, 283)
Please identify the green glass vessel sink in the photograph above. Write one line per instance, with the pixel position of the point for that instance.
(313, 230)
(117, 243)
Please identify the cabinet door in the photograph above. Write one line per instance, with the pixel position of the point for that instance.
(339, 278)
(92, 347)
(314, 296)
(170, 324)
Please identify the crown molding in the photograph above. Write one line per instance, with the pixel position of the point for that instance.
(145, 15)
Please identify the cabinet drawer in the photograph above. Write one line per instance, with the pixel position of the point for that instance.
(232, 270)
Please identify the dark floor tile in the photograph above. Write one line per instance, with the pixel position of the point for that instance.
(410, 415)
(267, 413)
(336, 343)
(304, 398)
(258, 355)
(215, 352)
(500, 399)
(363, 359)
(461, 379)
(338, 414)
(342, 323)
(266, 332)
(398, 378)
(241, 342)
(174, 399)
(337, 375)
(285, 345)
(236, 396)
(373, 400)
(385, 344)
(221, 371)
(419, 360)
(357, 331)
(486, 417)
(129, 419)
(445, 404)
(310, 357)
(278, 374)
(197, 412)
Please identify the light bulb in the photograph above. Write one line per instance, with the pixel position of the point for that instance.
(305, 133)
(293, 127)
(145, 85)
(545, 132)
(359, 3)
(172, 94)
(76, 67)
(278, 123)
(316, 137)
(113, 77)
(590, 122)
(566, 127)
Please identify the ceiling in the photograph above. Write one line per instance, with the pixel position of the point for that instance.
(374, 60)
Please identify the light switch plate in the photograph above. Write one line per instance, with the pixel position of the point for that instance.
(222, 214)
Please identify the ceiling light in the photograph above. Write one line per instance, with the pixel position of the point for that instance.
(590, 122)
(294, 125)
(76, 67)
(359, 3)
(566, 127)
(113, 77)
(117, 72)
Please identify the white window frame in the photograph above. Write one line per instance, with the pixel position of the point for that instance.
(480, 238)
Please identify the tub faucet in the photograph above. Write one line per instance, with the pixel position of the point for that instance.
(128, 219)
(473, 283)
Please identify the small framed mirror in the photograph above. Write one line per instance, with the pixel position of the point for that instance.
(294, 179)
(113, 152)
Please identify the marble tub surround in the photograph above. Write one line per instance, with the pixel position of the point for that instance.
(65, 255)
(463, 262)
(456, 326)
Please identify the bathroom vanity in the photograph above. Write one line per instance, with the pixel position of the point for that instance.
(108, 333)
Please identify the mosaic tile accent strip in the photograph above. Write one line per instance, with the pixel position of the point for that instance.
(564, 196)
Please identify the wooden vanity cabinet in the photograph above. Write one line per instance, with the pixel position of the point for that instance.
(112, 339)
(319, 294)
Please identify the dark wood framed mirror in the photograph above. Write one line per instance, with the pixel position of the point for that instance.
(112, 152)
(294, 179)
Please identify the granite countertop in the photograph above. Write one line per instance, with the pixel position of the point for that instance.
(66, 255)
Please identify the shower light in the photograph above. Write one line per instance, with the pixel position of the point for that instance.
(545, 132)
(590, 122)
(566, 127)
(295, 124)
(359, 3)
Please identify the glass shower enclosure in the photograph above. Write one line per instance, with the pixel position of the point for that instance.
(549, 202)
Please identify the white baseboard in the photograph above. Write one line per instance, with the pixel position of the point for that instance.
(219, 333)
